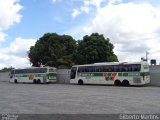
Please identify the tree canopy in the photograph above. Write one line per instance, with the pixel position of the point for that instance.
(56, 50)
(52, 50)
(94, 48)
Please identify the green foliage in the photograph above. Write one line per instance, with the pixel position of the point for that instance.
(94, 48)
(53, 50)
(6, 69)
(62, 50)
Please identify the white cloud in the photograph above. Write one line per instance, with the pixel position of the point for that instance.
(16, 54)
(114, 1)
(54, 1)
(75, 13)
(132, 28)
(96, 3)
(86, 7)
(8, 15)
(2, 36)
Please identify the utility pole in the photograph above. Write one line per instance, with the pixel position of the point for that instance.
(147, 55)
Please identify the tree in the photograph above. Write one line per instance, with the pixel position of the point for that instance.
(53, 50)
(6, 69)
(94, 48)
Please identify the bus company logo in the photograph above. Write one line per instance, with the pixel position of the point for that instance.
(110, 76)
(31, 77)
(104, 74)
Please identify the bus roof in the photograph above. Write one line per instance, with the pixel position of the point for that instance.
(32, 68)
(108, 63)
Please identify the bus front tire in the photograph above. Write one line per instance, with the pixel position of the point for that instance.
(15, 81)
(117, 83)
(125, 83)
(34, 81)
(80, 82)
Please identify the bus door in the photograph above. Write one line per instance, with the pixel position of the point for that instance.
(11, 74)
(73, 72)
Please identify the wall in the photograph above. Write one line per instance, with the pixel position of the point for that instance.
(4, 76)
(155, 75)
(63, 76)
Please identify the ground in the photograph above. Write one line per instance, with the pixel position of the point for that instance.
(77, 99)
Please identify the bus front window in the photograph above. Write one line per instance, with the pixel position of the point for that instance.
(73, 72)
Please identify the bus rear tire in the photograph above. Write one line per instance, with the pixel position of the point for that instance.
(117, 83)
(80, 82)
(38, 81)
(15, 81)
(125, 83)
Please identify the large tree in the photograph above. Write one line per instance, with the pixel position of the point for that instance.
(52, 50)
(94, 48)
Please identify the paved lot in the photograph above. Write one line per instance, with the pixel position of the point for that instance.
(88, 99)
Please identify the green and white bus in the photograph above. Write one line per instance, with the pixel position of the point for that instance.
(111, 73)
(33, 75)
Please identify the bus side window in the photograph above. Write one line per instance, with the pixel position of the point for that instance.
(100, 68)
(96, 69)
(129, 67)
(116, 68)
(124, 68)
(86, 69)
(104, 68)
(136, 67)
(91, 69)
(81, 69)
(111, 68)
(139, 67)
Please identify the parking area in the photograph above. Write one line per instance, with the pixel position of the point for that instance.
(76, 99)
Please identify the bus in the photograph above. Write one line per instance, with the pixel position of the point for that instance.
(111, 73)
(33, 75)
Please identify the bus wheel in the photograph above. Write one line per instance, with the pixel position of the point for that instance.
(38, 81)
(80, 82)
(34, 81)
(15, 81)
(117, 83)
(125, 83)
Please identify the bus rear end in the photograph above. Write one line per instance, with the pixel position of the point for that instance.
(52, 75)
(144, 75)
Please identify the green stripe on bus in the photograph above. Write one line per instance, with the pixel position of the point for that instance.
(98, 74)
(109, 74)
(125, 74)
(144, 73)
(107, 78)
(119, 74)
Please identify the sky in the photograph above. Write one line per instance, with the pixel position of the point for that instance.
(133, 26)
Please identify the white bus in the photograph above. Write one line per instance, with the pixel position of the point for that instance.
(33, 75)
(111, 73)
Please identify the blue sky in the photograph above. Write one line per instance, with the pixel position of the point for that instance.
(41, 16)
(132, 25)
